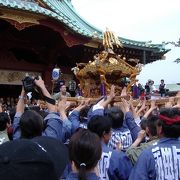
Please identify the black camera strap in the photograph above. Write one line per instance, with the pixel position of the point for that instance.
(49, 100)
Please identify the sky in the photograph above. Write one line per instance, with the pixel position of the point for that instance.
(141, 20)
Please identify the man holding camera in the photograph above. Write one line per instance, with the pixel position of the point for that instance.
(29, 124)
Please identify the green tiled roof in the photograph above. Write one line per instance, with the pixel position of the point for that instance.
(27, 6)
(64, 12)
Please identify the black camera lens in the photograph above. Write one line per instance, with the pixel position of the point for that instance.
(28, 84)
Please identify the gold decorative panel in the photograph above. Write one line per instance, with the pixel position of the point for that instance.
(15, 77)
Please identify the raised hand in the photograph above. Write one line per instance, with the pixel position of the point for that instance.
(112, 92)
(39, 82)
(124, 91)
(153, 104)
(61, 108)
(82, 105)
(126, 105)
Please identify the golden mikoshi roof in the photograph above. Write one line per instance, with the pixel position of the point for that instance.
(107, 63)
(106, 68)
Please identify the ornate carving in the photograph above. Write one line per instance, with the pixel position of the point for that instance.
(19, 26)
(14, 77)
(107, 68)
(21, 19)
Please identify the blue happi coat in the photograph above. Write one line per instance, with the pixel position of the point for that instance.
(159, 162)
(113, 164)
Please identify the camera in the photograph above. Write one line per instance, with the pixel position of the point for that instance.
(30, 86)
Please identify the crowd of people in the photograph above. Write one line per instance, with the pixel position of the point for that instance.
(55, 139)
(149, 91)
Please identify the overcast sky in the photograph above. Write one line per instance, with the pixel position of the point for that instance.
(141, 20)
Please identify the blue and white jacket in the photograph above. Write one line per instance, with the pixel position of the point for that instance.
(120, 135)
(74, 118)
(159, 162)
(114, 164)
(125, 135)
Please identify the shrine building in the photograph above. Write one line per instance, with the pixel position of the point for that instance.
(36, 35)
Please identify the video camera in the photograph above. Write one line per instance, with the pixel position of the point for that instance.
(30, 86)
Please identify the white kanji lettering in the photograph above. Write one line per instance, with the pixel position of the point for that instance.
(176, 153)
(104, 165)
(167, 162)
(158, 160)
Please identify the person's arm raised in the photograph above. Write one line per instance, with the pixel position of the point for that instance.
(129, 120)
(132, 108)
(153, 107)
(143, 107)
(21, 105)
(109, 98)
(82, 105)
(19, 111)
(62, 108)
(74, 117)
(40, 83)
(1, 109)
(141, 136)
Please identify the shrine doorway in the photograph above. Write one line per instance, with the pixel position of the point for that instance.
(10, 90)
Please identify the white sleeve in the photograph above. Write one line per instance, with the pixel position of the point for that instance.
(97, 106)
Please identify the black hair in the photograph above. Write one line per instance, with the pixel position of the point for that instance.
(116, 115)
(100, 125)
(43, 113)
(151, 124)
(83, 114)
(143, 123)
(31, 124)
(173, 130)
(4, 119)
(34, 108)
(39, 111)
(85, 151)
